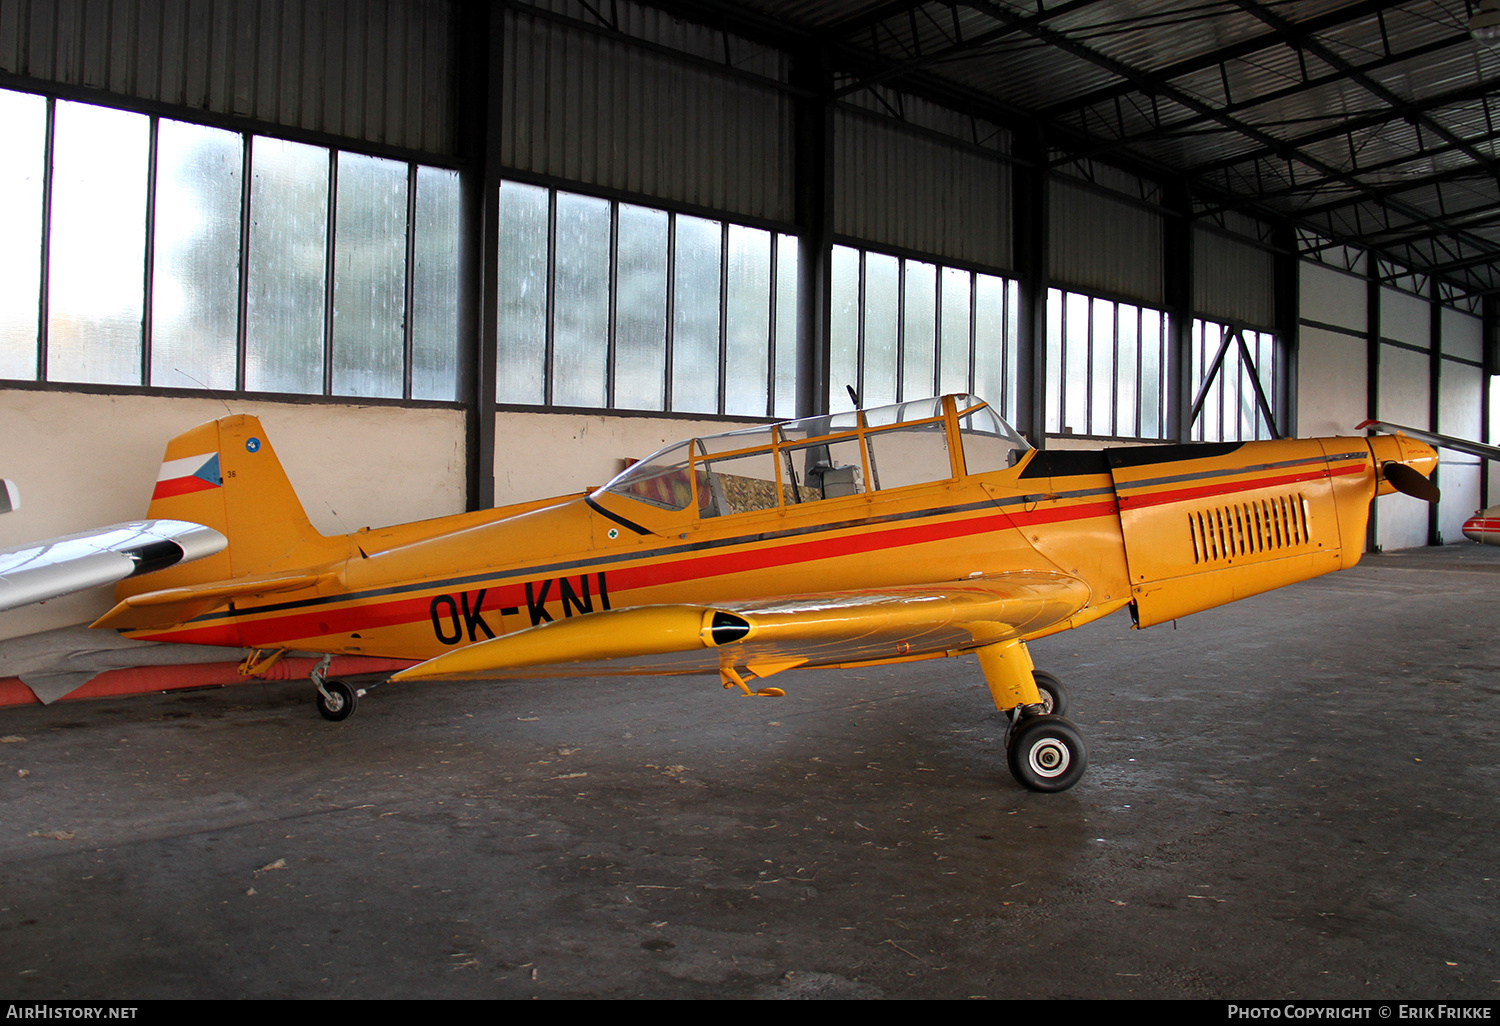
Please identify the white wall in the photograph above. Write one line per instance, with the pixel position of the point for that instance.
(83, 461)
(1461, 386)
(1332, 383)
(1401, 521)
(1405, 318)
(1333, 297)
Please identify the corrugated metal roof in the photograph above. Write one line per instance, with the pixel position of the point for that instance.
(1357, 118)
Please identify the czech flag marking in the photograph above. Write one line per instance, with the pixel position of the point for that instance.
(192, 474)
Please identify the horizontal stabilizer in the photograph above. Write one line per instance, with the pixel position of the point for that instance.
(771, 635)
(10, 496)
(172, 606)
(58, 566)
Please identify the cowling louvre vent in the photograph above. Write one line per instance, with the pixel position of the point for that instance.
(1273, 524)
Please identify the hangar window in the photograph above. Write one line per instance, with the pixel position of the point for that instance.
(605, 304)
(1106, 367)
(147, 251)
(1228, 362)
(906, 329)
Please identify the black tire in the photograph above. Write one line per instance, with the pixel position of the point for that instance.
(1055, 697)
(340, 703)
(1047, 753)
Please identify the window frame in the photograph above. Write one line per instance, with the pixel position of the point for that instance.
(447, 328)
(779, 349)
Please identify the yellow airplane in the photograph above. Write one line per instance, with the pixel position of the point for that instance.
(912, 531)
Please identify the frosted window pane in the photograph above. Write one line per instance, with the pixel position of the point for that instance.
(953, 363)
(786, 326)
(882, 292)
(96, 282)
(1265, 365)
(695, 317)
(195, 281)
(1076, 371)
(1195, 376)
(580, 327)
(989, 339)
(21, 172)
(288, 266)
(843, 328)
(1195, 352)
(1054, 360)
(1236, 385)
(1012, 348)
(1151, 374)
(1129, 329)
(1206, 343)
(641, 309)
(747, 324)
(1213, 335)
(1102, 371)
(1239, 412)
(919, 341)
(434, 299)
(369, 277)
(521, 268)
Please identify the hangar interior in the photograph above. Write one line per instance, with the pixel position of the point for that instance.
(462, 253)
(459, 253)
(488, 251)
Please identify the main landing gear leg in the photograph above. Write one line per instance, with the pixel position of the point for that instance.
(1046, 752)
(336, 698)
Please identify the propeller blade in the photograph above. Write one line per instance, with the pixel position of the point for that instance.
(1409, 482)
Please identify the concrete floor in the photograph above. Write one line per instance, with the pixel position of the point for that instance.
(1294, 796)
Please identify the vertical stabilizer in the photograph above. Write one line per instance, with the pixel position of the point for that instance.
(225, 475)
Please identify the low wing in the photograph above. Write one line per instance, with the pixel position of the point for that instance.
(772, 635)
(57, 566)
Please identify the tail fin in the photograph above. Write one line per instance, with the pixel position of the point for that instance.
(225, 475)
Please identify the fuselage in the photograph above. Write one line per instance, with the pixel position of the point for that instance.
(1171, 529)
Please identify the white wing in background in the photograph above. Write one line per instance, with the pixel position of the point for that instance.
(58, 566)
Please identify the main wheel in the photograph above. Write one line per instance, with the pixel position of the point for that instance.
(1047, 753)
(1055, 699)
(339, 703)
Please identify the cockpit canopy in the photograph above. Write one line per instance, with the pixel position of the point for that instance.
(825, 457)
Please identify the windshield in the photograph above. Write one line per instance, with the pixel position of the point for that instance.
(660, 479)
(989, 443)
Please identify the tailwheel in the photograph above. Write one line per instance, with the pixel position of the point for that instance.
(1047, 753)
(336, 700)
(1055, 698)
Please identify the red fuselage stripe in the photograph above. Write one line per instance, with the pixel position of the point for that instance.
(351, 618)
(1204, 491)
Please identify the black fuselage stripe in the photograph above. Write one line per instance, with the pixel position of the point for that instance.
(510, 575)
(1202, 474)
